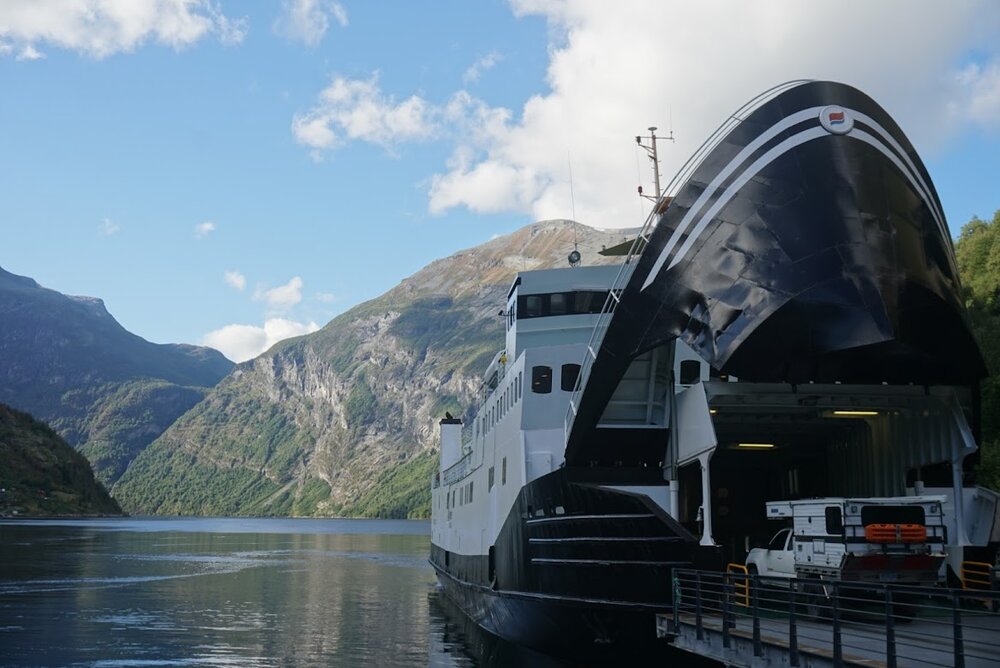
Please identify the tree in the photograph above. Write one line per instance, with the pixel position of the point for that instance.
(978, 253)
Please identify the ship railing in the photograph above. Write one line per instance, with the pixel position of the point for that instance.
(646, 231)
(796, 621)
(458, 470)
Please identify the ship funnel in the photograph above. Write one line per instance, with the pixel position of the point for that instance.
(451, 441)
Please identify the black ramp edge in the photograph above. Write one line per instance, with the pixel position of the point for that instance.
(809, 245)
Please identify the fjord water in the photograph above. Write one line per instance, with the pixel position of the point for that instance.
(225, 592)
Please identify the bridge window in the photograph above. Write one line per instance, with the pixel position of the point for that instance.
(541, 379)
(570, 374)
(560, 303)
(533, 305)
(503, 471)
(589, 301)
(491, 478)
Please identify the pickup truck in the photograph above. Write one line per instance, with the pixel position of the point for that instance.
(776, 560)
(894, 539)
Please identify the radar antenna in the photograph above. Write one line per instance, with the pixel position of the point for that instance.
(574, 257)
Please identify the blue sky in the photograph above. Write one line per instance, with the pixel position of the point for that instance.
(321, 151)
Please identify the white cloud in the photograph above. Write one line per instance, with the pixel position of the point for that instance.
(980, 103)
(612, 73)
(326, 297)
(100, 28)
(231, 31)
(242, 342)
(616, 68)
(339, 13)
(29, 53)
(307, 21)
(235, 279)
(282, 297)
(108, 227)
(202, 230)
(358, 109)
(476, 69)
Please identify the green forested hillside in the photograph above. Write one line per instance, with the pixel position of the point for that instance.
(978, 251)
(341, 407)
(108, 392)
(40, 474)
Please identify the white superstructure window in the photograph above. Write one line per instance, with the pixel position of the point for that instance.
(570, 374)
(541, 379)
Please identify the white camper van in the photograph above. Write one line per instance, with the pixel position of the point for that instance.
(895, 539)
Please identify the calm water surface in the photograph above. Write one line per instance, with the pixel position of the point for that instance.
(229, 592)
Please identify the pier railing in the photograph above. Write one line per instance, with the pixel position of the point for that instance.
(800, 622)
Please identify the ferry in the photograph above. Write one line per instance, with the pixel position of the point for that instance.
(787, 324)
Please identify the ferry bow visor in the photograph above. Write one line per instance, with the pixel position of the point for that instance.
(808, 245)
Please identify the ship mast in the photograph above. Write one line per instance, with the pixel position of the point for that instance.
(651, 151)
(670, 472)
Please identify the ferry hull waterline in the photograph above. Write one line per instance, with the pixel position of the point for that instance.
(803, 244)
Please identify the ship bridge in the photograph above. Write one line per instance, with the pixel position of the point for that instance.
(792, 313)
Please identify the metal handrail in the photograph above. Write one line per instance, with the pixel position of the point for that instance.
(458, 470)
(642, 239)
(834, 616)
(977, 575)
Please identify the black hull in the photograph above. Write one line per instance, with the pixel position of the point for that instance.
(557, 626)
(576, 566)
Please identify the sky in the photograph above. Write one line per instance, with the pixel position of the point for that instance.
(233, 173)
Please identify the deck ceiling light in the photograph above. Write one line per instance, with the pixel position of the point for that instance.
(760, 446)
(855, 413)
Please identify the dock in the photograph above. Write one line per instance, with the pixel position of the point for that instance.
(750, 620)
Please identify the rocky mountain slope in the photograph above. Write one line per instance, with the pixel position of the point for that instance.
(105, 390)
(344, 421)
(42, 475)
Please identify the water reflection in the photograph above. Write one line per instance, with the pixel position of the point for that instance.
(217, 593)
(102, 596)
(456, 641)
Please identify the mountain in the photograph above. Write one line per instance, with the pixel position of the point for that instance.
(344, 421)
(108, 392)
(42, 474)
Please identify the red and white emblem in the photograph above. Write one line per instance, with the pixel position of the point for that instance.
(836, 120)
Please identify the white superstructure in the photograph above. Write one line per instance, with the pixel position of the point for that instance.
(517, 434)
